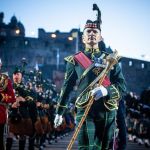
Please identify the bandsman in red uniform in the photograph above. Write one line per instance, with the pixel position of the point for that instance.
(6, 96)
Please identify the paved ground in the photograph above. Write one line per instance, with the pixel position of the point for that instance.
(62, 145)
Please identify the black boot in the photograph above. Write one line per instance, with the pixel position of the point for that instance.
(22, 144)
(9, 142)
(31, 143)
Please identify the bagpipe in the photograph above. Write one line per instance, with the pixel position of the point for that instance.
(20, 120)
(43, 123)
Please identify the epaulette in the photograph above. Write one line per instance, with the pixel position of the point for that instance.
(70, 59)
(3, 82)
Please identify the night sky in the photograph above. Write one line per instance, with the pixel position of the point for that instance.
(125, 27)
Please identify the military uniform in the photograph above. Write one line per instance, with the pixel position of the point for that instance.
(97, 130)
(6, 96)
(99, 125)
(23, 116)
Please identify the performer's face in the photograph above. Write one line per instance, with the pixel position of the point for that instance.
(17, 77)
(91, 36)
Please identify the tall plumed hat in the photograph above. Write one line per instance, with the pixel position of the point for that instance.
(97, 23)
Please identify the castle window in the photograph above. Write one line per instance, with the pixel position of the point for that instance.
(53, 35)
(130, 63)
(26, 42)
(142, 65)
(17, 31)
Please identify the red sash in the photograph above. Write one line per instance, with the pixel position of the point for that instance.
(85, 62)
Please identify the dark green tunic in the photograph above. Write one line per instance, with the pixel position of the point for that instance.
(97, 130)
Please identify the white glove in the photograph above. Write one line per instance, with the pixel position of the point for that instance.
(58, 120)
(99, 92)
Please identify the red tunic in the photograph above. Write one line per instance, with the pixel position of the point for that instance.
(6, 96)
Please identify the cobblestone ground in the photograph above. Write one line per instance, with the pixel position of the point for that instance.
(61, 144)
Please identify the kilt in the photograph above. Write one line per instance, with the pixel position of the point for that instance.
(97, 131)
(23, 127)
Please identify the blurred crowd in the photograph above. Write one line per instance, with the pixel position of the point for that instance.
(138, 117)
(30, 115)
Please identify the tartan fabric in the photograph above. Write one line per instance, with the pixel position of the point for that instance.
(96, 131)
(91, 135)
(91, 25)
(86, 135)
